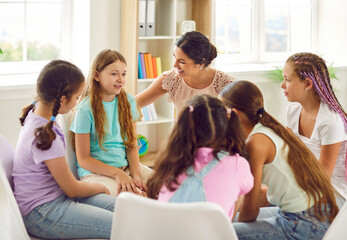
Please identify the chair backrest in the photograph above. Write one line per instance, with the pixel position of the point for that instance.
(6, 156)
(337, 229)
(137, 217)
(64, 121)
(11, 217)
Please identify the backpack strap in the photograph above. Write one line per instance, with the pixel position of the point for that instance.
(208, 168)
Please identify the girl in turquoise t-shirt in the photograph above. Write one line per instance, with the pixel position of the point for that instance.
(104, 130)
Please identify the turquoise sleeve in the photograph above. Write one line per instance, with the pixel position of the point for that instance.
(82, 121)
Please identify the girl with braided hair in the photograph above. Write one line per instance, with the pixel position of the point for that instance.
(53, 203)
(316, 116)
(103, 129)
(297, 184)
(202, 160)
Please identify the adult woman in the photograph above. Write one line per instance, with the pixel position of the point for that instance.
(191, 75)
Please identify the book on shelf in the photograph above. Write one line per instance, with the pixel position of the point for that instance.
(148, 66)
(140, 67)
(149, 113)
(143, 67)
(154, 65)
(159, 70)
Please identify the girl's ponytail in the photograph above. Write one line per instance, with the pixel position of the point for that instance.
(45, 135)
(235, 137)
(25, 112)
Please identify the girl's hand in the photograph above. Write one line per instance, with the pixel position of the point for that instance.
(138, 181)
(124, 183)
(102, 188)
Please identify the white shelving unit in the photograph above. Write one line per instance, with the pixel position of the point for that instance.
(169, 14)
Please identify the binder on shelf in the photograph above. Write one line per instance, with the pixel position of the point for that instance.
(143, 66)
(142, 18)
(150, 18)
(140, 74)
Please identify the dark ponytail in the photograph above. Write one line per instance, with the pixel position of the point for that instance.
(203, 123)
(58, 78)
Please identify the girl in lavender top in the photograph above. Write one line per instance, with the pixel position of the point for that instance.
(316, 116)
(52, 202)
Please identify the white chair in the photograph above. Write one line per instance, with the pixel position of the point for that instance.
(11, 222)
(338, 229)
(11, 219)
(138, 218)
(64, 121)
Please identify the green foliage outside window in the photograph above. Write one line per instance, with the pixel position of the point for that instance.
(35, 52)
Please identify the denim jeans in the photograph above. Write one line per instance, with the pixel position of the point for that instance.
(89, 217)
(278, 224)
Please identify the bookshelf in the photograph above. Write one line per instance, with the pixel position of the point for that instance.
(168, 15)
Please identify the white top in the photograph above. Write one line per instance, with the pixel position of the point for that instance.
(180, 92)
(284, 190)
(328, 129)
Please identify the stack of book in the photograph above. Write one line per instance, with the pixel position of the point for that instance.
(149, 113)
(149, 67)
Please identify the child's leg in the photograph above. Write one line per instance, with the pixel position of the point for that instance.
(145, 172)
(108, 182)
(66, 218)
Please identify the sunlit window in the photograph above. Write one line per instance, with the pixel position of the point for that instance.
(30, 31)
(263, 30)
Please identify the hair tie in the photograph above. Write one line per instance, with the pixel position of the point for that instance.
(229, 111)
(191, 108)
(260, 111)
(53, 118)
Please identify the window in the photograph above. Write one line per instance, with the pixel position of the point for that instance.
(263, 30)
(31, 33)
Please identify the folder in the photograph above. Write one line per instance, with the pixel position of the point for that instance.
(150, 18)
(142, 18)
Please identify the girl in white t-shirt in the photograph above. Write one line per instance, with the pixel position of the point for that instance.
(316, 116)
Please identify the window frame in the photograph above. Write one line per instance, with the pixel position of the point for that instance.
(29, 67)
(258, 54)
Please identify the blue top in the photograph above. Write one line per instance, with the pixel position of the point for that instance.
(83, 122)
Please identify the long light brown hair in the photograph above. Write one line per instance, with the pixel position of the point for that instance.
(309, 174)
(93, 90)
(204, 123)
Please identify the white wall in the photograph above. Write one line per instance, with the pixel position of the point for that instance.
(332, 33)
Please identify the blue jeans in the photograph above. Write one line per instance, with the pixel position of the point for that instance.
(278, 224)
(89, 217)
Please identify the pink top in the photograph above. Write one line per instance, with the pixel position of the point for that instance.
(229, 179)
(180, 92)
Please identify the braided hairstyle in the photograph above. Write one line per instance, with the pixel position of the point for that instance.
(197, 47)
(309, 173)
(203, 122)
(58, 78)
(309, 65)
